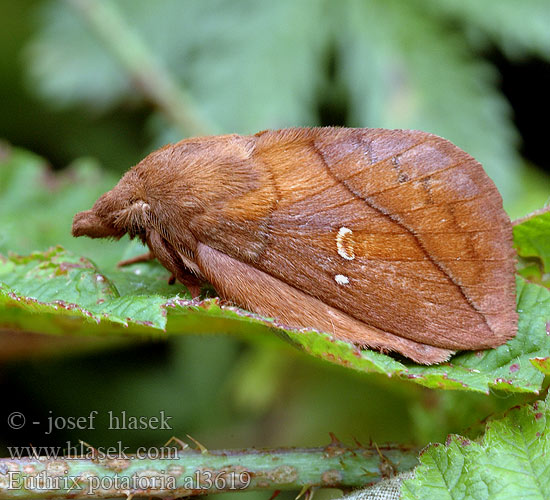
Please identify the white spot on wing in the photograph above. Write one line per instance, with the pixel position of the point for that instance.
(344, 243)
(341, 279)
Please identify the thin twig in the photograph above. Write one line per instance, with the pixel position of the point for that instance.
(177, 473)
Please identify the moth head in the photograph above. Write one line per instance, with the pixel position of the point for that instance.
(116, 213)
(165, 189)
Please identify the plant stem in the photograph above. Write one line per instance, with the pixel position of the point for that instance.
(193, 472)
(143, 67)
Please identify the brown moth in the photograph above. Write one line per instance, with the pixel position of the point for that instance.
(390, 239)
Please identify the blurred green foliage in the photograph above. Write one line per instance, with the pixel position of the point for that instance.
(245, 66)
(251, 65)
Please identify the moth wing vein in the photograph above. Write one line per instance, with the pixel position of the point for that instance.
(394, 218)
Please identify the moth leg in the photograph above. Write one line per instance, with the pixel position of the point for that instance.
(167, 256)
(145, 257)
(191, 282)
(264, 294)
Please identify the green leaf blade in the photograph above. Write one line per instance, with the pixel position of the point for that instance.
(511, 461)
(57, 282)
(532, 240)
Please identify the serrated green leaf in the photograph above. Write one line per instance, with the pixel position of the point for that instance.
(510, 461)
(532, 240)
(57, 283)
(72, 285)
(542, 364)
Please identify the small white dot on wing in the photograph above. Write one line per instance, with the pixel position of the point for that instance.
(341, 279)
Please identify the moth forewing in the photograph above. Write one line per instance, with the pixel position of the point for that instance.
(450, 283)
(390, 239)
(261, 292)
